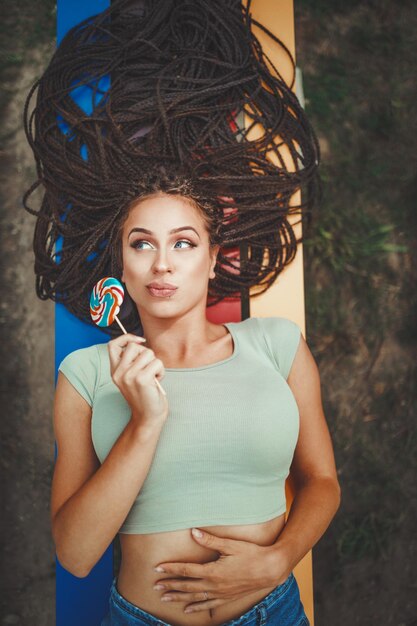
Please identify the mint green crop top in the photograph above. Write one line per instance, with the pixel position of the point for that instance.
(226, 448)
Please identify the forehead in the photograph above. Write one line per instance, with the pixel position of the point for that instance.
(163, 212)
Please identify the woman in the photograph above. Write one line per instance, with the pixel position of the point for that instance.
(110, 412)
(243, 399)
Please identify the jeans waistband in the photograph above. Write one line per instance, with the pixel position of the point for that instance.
(266, 603)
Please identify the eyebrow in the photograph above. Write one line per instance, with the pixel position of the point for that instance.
(137, 229)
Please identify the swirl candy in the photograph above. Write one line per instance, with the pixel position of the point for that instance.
(105, 302)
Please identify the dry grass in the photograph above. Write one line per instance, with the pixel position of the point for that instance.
(360, 275)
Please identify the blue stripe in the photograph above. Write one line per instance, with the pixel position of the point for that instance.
(79, 601)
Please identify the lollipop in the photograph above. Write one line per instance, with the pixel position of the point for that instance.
(105, 302)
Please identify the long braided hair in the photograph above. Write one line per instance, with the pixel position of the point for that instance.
(169, 84)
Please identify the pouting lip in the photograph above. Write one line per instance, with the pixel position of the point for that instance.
(161, 286)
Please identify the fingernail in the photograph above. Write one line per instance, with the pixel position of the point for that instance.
(196, 532)
(159, 569)
(141, 338)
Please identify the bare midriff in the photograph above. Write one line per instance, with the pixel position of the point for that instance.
(141, 553)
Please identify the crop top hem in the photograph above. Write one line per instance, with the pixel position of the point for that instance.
(145, 528)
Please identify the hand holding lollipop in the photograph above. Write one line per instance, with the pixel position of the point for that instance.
(105, 302)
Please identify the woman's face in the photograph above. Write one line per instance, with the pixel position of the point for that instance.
(152, 253)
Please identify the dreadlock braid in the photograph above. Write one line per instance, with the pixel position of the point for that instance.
(169, 83)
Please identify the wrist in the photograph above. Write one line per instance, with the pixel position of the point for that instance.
(278, 563)
(142, 430)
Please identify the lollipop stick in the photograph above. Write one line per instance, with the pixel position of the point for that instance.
(125, 332)
(120, 324)
(158, 384)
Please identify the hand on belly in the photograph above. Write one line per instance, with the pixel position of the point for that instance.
(201, 574)
(239, 569)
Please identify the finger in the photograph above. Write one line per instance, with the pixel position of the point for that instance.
(181, 596)
(203, 606)
(124, 339)
(189, 570)
(196, 587)
(152, 369)
(124, 356)
(220, 544)
(116, 347)
(119, 347)
(190, 586)
(131, 368)
(129, 353)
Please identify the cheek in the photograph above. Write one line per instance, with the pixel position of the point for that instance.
(132, 265)
(199, 269)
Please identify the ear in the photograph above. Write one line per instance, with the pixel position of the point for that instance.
(214, 252)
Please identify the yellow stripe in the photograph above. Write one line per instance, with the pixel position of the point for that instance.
(286, 296)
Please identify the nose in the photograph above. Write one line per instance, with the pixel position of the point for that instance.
(161, 263)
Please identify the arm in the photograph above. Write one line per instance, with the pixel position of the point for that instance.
(313, 471)
(89, 502)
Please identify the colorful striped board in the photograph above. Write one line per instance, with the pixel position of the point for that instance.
(83, 601)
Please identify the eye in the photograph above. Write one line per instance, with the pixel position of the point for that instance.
(136, 243)
(186, 241)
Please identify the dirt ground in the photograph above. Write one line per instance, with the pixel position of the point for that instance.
(360, 320)
(27, 385)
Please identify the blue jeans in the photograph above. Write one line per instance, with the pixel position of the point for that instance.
(281, 607)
